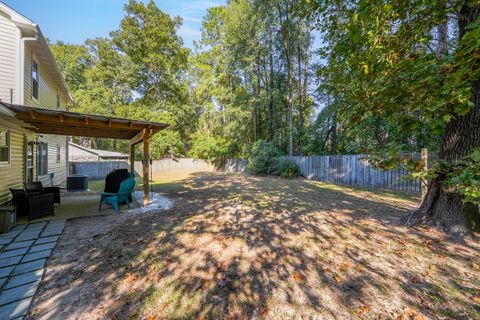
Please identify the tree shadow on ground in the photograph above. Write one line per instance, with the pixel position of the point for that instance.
(248, 248)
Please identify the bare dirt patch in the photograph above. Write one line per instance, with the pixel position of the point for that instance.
(235, 247)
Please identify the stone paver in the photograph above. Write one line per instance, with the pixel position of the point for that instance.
(29, 266)
(10, 261)
(37, 255)
(35, 226)
(28, 235)
(5, 272)
(19, 227)
(23, 253)
(13, 253)
(20, 244)
(42, 247)
(24, 279)
(47, 240)
(18, 293)
(5, 241)
(15, 310)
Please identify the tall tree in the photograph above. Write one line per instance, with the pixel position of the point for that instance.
(381, 62)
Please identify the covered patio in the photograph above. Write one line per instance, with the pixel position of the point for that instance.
(66, 123)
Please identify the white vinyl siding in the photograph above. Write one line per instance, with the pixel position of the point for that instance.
(8, 59)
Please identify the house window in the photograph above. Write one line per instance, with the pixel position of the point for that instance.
(42, 158)
(35, 79)
(58, 101)
(59, 150)
(4, 146)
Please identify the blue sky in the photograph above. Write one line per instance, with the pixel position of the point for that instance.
(75, 21)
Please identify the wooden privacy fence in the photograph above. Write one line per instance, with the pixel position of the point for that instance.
(355, 170)
(99, 169)
(96, 169)
(234, 166)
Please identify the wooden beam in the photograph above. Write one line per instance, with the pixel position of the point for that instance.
(94, 123)
(146, 166)
(138, 138)
(132, 159)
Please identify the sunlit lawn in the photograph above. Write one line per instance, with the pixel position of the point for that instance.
(236, 247)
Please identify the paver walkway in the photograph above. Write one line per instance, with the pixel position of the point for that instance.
(23, 252)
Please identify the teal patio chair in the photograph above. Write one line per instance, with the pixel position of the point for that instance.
(126, 188)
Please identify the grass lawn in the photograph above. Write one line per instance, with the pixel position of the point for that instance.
(236, 247)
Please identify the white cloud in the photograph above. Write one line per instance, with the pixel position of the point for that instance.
(191, 19)
(188, 32)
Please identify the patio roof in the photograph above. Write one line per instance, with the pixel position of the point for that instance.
(78, 124)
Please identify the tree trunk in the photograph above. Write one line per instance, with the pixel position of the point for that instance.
(270, 100)
(441, 206)
(300, 100)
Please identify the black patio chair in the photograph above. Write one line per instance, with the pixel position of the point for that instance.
(34, 205)
(37, 188)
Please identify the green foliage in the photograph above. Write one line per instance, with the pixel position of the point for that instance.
(261, 157)
(285, 168)
(464, 176)
(212, 148)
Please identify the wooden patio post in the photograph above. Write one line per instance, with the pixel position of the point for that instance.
(132, 158)
(146, 165)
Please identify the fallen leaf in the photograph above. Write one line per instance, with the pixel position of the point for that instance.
(298, 277)
(364, 309)
(410, 314)
(416, 279)
(476, 299)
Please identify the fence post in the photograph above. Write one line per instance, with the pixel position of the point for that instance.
(423, 182)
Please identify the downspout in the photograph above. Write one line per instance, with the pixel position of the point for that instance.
(22, 67)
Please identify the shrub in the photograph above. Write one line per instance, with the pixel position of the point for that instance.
(287, 169)
(261, 156)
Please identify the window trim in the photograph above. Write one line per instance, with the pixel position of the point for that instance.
(40, 156)
(9, 146)
(35, 62)
(58, 156)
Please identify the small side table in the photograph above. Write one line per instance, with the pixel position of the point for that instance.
(8, 218)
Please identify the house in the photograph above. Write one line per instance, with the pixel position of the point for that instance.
(78, 153)
(29, 76)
